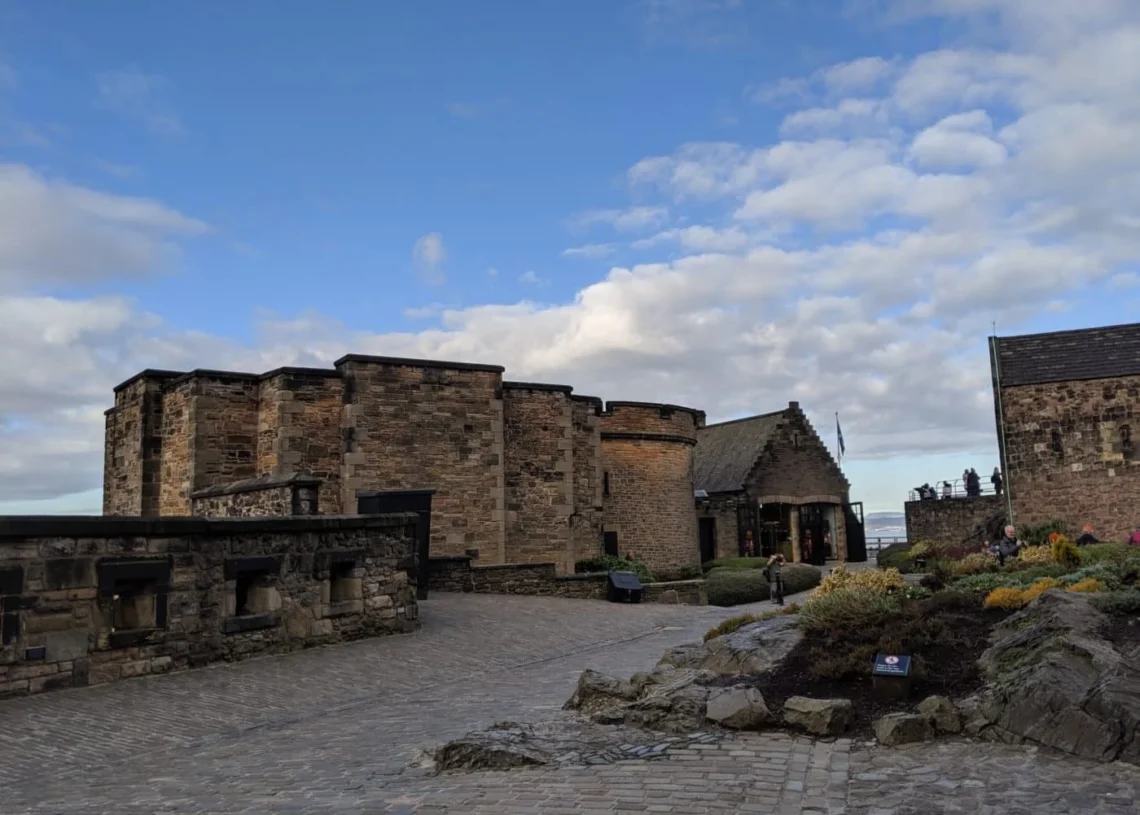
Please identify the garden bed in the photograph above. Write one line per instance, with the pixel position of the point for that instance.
(945, 637)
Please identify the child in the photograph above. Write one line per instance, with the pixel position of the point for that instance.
(775, 579)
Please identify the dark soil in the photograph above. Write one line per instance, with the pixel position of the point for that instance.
(945, 644)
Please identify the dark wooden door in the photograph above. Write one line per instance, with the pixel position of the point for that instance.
(610, 543)
(856, 533)
(812, 524)
(708, 539)
(417, 501)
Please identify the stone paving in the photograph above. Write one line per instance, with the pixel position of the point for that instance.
(340, 730)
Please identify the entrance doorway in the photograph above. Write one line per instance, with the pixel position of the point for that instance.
(707, 528)
(856, 532)
(815, 534)
(417, 501)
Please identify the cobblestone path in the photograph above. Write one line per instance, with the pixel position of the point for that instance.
(336, 730)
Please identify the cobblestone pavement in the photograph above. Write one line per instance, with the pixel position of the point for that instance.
(335, 730)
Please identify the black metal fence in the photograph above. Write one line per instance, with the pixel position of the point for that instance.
(957, 489)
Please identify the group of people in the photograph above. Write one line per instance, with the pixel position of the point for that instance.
(970, 480)
(1010, 547)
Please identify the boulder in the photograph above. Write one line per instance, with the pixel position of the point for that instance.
(821, 717)
(941, 713)
(596, 691)
(675, 704)
(738, 708)
(753, 649)
(903, 728)
(503, 747)
(1053, 679)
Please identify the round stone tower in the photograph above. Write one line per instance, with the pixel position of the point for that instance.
(647, 461)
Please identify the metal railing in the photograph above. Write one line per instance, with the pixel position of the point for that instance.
(875, 544)
(958, 489)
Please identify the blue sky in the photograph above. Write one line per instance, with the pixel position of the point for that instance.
(718, 202)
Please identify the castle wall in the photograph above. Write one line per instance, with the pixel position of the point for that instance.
(950, 522)
(225, 429)
(123, 453)
(269, 426)
(538, 474)
(178, 448)
(1073, 452)
(309, 408)
(98, 599)
(430, 426)
(647, 453)
(588, 521)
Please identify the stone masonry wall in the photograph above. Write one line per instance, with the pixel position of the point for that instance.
(647, 452)
(269, 426)
(123, 452)
(723, 513)
(588, 520)
(178, 423)
(430, 427)
(457, 574)
(1073, 452)
(311, 409)
(538, 474)
(797, 467)
(90, 600)
(948, 522)
(226, 430)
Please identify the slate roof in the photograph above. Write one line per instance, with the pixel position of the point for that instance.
(1069, 356)
(727, 452)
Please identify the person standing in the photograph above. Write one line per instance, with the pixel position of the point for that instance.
(775, 576)
(996, 480)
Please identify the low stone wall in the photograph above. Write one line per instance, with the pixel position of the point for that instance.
(458, 574)
(950, 521)
(93, 599)
(258, 497)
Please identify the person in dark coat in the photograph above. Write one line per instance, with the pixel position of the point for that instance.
(996, 480)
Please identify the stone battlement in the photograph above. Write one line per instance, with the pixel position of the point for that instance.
(94, 599)
(518, 469)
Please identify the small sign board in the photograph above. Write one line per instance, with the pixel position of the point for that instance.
(891, 665)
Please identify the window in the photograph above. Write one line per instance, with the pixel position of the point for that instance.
(606, 484)
(255, 593)
(1055, 438)
(796, 441)
(133, 605)
(253, 599)
(346, 588)
(610, 543)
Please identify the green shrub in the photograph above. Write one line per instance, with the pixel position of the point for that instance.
(1116, 553)
(1008, 578)
(896, 556)
(800, 577)
(691, 571)
(734, 587)
(1065, 551)
(1038, 534)
(849, 608)
(1107, 573)
(1119, 603)
(735, 563)
(609, 563)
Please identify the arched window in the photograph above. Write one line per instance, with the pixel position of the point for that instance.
(1056, 441)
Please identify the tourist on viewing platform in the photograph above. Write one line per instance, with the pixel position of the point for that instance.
(947, 490)
(775, 578)
(996, 480)
(1087, 537)
(973, 483)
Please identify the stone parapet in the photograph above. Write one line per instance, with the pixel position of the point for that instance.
(951, 521)
(93, 599)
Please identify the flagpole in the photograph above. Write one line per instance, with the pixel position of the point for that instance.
(838, 438)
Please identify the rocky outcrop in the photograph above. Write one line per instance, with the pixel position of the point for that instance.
(941, 713)
(675, 696)
(752, 649)
(1053, 679)
(738, 708)
(903, 728)
(821, 717)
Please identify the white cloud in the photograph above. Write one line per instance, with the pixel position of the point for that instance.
(855, 266)
(634, 219)
(531, 278)
(428, 253)
(590, 250)
(137, 95)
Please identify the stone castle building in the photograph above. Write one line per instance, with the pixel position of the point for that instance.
(1067, 405)
(521, 472)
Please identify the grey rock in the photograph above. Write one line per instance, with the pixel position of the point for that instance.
(754, 649)
(501, 748)
(1053, 679)
(942, 713)
(597, 691)
(822, 717)
(903, 728)
(738, 708)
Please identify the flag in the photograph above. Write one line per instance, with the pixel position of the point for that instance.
(839, 433)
